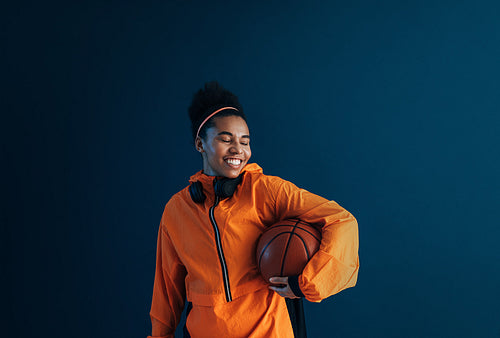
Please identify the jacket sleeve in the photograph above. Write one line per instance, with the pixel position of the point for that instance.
(335, 266)
(169, 289)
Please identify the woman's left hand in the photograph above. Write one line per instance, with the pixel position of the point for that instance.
(283, 289)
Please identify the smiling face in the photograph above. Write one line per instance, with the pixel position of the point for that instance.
(226, 147)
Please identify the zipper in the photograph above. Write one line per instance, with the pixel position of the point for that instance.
(225, 275)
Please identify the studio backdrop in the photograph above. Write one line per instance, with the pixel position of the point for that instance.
(389, 108)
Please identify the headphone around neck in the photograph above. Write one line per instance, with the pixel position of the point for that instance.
(223, 187)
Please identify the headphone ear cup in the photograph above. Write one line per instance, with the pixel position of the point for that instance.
(220, 188)
(226, 187)
(196, 192)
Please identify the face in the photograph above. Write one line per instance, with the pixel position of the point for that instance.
(226, 147)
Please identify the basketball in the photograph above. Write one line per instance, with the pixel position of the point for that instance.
(285, 248)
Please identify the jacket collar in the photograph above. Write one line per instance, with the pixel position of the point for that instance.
(203, 178)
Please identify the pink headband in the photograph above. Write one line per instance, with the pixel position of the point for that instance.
(209, 116)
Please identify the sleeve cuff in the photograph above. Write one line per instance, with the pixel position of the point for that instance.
(293, 282)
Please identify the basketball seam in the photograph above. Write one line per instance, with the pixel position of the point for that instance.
(305, 246)
(286, 248)
(268, 243)
(289, 225)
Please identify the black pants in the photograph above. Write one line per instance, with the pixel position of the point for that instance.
(296, 312)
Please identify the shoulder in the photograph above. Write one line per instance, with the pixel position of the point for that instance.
(257, 178)
(176, 206)
(270, 183)
(177, 198)
(256, 173)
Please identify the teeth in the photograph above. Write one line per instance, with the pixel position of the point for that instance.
(233, 161)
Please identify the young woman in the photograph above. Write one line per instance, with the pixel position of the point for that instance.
(209, 230)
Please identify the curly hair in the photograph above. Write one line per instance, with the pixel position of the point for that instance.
(207, 100)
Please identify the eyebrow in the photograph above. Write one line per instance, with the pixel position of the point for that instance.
(230, 134)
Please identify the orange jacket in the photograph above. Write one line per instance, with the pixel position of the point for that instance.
(229, 297)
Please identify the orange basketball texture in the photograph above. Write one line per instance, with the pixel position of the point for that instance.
(285, 248)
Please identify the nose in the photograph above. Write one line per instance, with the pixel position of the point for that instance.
(236, 149)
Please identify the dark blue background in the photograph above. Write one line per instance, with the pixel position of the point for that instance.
(391, 108)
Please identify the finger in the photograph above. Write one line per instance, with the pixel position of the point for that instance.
(277, 289)
(283, 292)
(279, 280)
(279, 292)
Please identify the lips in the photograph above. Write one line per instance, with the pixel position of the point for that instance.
(233, 162)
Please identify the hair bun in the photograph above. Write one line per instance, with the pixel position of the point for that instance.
(207, 100)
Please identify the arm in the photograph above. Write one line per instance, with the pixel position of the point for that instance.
(169, 290)
(335, 266)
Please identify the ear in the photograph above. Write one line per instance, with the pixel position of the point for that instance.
(198, 143)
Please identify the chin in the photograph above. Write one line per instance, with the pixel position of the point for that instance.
(232, 173)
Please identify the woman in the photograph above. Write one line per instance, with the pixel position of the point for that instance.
(209, 231)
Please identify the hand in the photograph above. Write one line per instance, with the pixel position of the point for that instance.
(283, 289)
